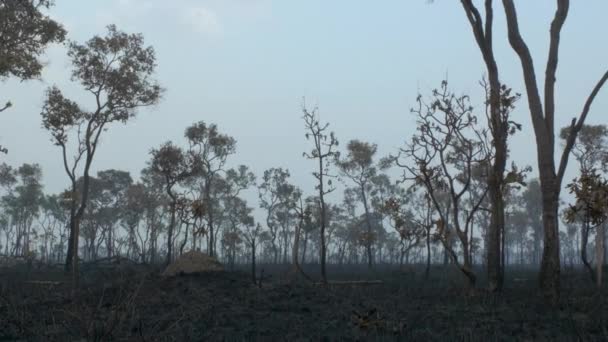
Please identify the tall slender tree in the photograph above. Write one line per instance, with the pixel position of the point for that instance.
(542, 111)
(116, 70)
(324, 152)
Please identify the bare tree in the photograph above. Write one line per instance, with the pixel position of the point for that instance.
(253, 233)
(443, 157)
(324, 152)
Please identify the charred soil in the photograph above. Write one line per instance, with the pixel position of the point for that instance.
(137, 304)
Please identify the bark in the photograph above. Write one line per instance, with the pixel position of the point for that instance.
(253, 250)
(599, 253)
(550, 264)
(322, 248)
(584, 242)
(295, 253)
(170, 232)
(304, 249)
(368, 244)
(427, 270)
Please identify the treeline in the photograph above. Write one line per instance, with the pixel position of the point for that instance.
(187, 199)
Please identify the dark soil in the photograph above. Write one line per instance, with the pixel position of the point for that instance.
(135, 304)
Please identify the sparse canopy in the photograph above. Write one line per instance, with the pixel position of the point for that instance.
(324, 152)
(117, 71)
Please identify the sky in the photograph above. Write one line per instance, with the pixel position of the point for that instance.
(248, 65)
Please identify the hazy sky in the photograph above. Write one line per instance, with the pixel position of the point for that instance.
(246, 65)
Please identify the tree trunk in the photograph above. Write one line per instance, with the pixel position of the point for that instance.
(483, 34)
(170, 234)
(550, 267)
(253, 248)
(322, 248)
(70, 253)
(497, 221)
(75, 276)
(304, 248)
(584, 242)
(599, 253)
(427, 271)
(368, 244)
(295, 252)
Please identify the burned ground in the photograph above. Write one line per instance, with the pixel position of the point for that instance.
(134, 303)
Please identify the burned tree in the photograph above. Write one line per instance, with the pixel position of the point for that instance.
(324, 153)
(253, 234)
(443, 157)
(116, 70)
(542, 112)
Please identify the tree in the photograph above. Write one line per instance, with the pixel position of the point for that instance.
(543, 121)
(591, 152)
(225, 195)
(114, 184)
(239, 216)
(133, 213)
(409, 229)
(500, 127)
(542, 112)
(22, 203)
(210, 149)
(422, 214)
(116, 70)
(171, 163)
(303, 211)
(358, 166)
(53, 221)
(324, 152)
(154, 199)
(253, 233)
(444, 156)
(591, 209)
(277, 197)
